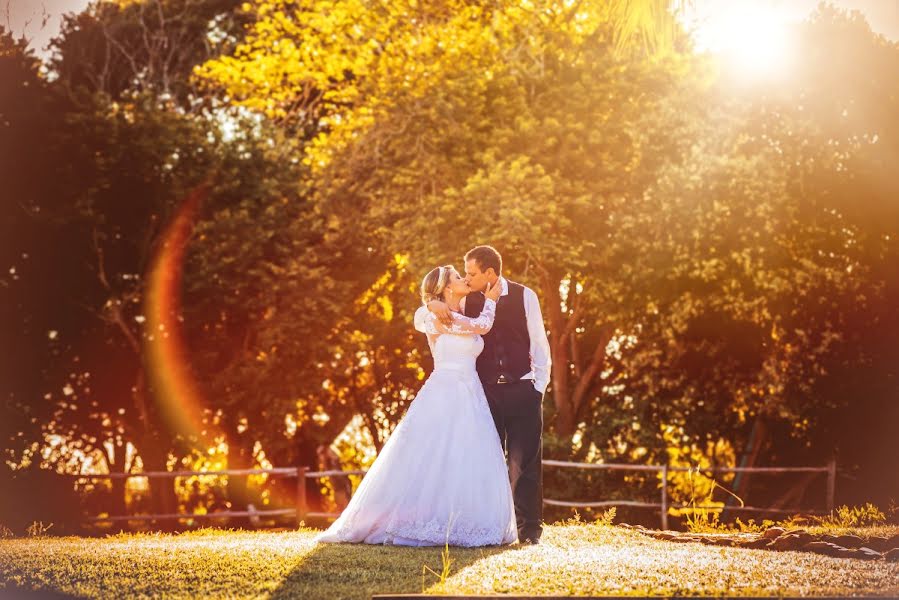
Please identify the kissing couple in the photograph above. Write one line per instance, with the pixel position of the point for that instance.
(442, 476)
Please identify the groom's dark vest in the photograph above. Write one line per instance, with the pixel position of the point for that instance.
(507, 346)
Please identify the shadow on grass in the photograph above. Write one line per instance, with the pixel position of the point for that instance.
(360, 570)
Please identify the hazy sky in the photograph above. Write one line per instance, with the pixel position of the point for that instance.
(27, 16)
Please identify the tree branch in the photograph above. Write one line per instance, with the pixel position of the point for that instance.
(596, 362)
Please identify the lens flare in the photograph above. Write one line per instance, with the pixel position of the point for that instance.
(179, 398)
(177, 394)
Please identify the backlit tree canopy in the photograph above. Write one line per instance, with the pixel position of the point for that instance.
(714, 253)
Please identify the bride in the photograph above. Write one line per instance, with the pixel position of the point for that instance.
(441, 477)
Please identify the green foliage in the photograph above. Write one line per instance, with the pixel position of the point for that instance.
(698, 264)
(703, 517)
(704, 520)
(855, 520)
(607, 517)
(708, 255)
(855, 516)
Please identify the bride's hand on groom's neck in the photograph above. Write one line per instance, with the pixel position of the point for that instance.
(442, 311)
(493, 291)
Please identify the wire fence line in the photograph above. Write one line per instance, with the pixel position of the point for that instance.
(301, 512)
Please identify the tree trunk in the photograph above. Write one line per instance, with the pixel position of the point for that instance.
(570, 390)
(240, 456)
(154, 446)
(306, 456)
(115, 460)
(154, 453)
(559, 351)
(757, 438)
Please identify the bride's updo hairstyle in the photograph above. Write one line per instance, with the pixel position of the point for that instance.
(434, 283)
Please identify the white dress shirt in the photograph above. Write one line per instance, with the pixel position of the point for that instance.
(540, 354)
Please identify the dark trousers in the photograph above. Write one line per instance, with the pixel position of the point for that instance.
(517, 409)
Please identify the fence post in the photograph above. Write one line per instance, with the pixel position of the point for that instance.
(302, 505)
(664, 496)
(831, 483)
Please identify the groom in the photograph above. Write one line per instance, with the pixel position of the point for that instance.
(514, 369)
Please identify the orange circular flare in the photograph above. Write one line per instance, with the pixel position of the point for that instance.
(177, 394)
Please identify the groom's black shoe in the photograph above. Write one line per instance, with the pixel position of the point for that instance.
(530, 540)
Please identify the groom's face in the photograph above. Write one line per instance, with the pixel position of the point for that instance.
(475, 278)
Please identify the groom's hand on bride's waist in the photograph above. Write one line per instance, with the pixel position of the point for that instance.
(442, 311)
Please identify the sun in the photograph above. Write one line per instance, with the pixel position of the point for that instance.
(752, 39)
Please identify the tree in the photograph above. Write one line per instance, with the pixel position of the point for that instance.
(29, 114)
(655, 216)
(147, 47)
(112, 174)
(413, 107)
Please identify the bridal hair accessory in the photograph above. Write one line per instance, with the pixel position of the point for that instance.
(433, 284)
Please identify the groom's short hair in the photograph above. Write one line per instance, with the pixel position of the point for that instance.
(486, 257)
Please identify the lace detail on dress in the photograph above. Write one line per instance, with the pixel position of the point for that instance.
(463, 325)
(439, 532)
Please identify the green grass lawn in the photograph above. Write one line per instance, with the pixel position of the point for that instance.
(578, 559)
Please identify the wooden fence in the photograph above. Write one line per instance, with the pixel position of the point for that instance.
(275, 472)
(664, 505)
(301, 512)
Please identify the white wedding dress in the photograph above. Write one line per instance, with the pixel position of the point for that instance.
(441, 477)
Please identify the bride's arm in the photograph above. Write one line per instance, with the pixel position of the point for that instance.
(461, 325)
(420, 318)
